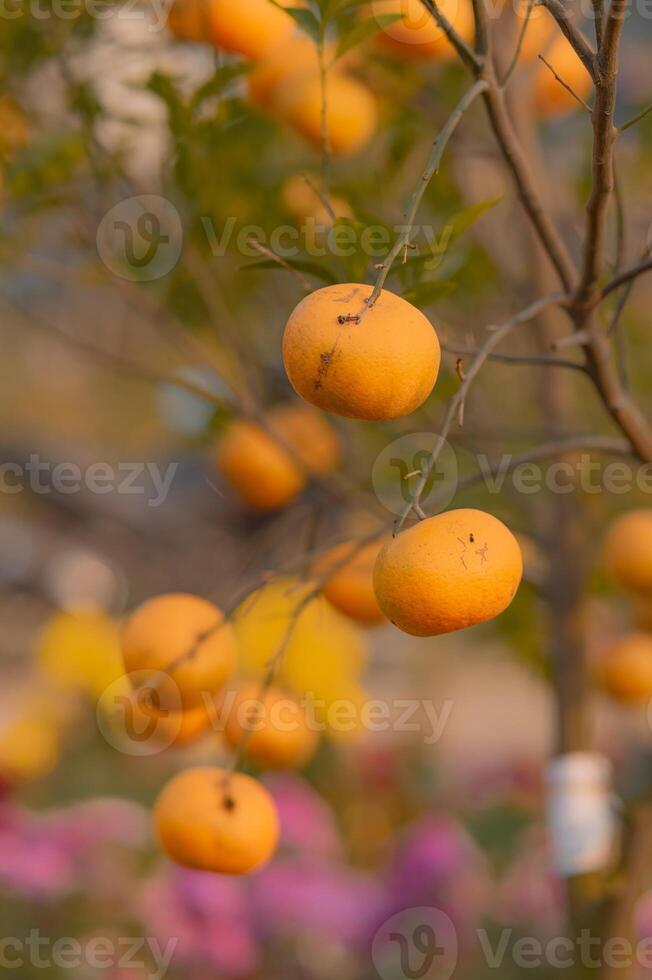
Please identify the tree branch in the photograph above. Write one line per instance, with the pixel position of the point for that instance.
(456, 404)
(573, 34)
(432, 167)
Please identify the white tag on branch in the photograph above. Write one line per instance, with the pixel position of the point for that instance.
(581, 813)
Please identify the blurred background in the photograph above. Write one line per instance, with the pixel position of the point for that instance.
(139, 159)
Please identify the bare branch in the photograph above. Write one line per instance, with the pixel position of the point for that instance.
(464, 50)
(573, 34)
(627, 276)
(482, 35)
(565, 84)
(534, 360)
(259, 247)
(456, 404)
(521, 171)
(519, 44)
(637, 118)
(432, 167)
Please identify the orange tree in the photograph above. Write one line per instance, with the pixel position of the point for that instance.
(366, 87)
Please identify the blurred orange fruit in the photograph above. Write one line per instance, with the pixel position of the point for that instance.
(249, 27)
(350, 588)
(627, 550)
(278, 731)
(13, 126)
(300, 197)
(380, 366)
(352, 112)
(269, 469)
(550, 96)
(448, 572)
(295, 56)
(169, 728)
(417, 34)
(625, 671)
(209, 819)
(182, 645)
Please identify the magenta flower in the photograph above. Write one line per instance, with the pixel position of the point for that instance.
(207, 914)
(291, 897)
(308, 826)
(436, 863)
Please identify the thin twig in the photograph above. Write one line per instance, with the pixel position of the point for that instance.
(464, 50)
(259, 247)
(456, 403)
(637, 118)
(534, 360)
(565, 84)
(573, 35)
(432, 167)
(519, 44)
(627, 276)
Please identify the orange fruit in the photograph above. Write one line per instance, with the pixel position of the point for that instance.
(299, 197)
(351, 110)
(350, 588)
(190, 20)
(183, 645)
(269, 469)
(278, 731)
(626, 669)
(417, 34)
(448, 572)
(550, 96)
(627, 550)
(209, 819)
(169, 728)
(381, 366)
(249, 27)
(295, 56)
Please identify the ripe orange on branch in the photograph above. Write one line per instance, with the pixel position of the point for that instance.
(625, 672)
(627, 550)
(350, 588)
(207, 819)
(268, 469)
(448, 572)
(277, 729)
(181, 643)
(378, 362)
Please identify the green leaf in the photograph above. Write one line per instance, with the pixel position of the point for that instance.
(308, 268)
(305, 19)
(429, 292)
(464, 219)
(363, 30)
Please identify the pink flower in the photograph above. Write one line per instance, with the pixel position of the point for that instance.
(436, 863)
(207, 914)
(308, 826)
(290, 897)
